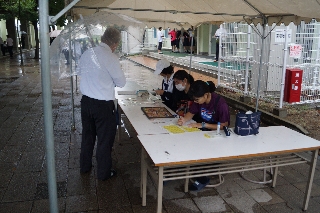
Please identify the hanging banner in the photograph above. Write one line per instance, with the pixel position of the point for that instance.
(295, 51)
(280, 35)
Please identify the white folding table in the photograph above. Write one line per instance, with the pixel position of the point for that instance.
(189, 155)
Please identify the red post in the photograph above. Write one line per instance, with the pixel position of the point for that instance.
(292, 87)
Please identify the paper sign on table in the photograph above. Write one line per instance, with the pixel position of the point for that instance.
(175, 129)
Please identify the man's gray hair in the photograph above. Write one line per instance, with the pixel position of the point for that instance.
(111, 36)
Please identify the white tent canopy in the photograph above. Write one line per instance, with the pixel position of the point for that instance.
(195, 12)
(180, 12)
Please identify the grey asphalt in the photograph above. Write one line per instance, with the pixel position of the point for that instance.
(23, 176)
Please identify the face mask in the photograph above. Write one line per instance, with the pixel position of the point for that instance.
(180, 87)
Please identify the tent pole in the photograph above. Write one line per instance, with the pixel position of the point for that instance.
(284, 67)
(71, 75)
(47, 103)
(191, 54)
(219, 59)
(247, 61)
(316, 70)
(260, 66)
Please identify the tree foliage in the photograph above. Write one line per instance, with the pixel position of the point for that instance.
(16, 9)
(28, 9)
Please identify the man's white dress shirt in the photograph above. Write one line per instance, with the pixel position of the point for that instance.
(100, 72)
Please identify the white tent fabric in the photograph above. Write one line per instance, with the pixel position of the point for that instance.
(84, 34)
(195, 12)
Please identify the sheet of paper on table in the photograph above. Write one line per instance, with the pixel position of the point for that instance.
(127, 92)
(176, 129)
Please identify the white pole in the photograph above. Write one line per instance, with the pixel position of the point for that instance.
(285, 55)
(316, 70)
(247, 61)
(47, 103)
(219, 59)
(260, 66)
(71, 73)
(191, 55)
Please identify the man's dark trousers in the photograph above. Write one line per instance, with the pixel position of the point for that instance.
(98, 119)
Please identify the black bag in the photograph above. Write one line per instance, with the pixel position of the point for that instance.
(247, 124)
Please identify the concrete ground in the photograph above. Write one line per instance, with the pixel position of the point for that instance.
(23, 176)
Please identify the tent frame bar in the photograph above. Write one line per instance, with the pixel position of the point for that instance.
(180, 11)
(53, 20)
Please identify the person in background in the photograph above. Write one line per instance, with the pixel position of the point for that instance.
(173, 40)
(52, 39)
(164, 68)
(192, 41)
(160, 37)
(65, 49)
(10, 46)
(84, 46)
(5, 47)
(221, 33)
(212, 109)
(98, 113)
(186, 41)
(178, 35)
(76, 50)
(2, 47)
(190, 31)
(23, 41)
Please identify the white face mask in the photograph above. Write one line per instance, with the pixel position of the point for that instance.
(180, 87)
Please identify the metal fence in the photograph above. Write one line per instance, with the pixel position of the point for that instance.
(241, 59)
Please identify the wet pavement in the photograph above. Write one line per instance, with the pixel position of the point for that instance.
(23, 176)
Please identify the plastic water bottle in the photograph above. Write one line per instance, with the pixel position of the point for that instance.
(218, 128)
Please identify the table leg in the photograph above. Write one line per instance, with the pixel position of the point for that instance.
(310, 179)
(186, 183)
(160, 189)
(274, 177)
(275, 174)
(143, 181)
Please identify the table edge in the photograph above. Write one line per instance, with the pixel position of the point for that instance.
(236, 157)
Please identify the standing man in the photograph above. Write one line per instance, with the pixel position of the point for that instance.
(10, 46)
(160, 39)
(2, 47)
(100, 74)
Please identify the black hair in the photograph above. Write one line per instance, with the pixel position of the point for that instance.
(199, 88)
(160, 28)
(182, 74)
(167, 70)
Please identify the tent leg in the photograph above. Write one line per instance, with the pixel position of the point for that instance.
(260, 66)
(47, 104)
(191, 54)
(285, 55)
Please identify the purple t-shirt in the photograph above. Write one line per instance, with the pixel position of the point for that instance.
(207, 112)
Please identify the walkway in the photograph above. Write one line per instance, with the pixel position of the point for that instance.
(23, 180)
